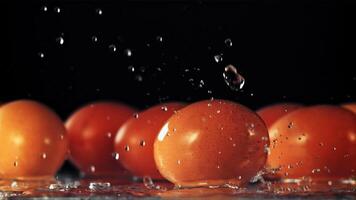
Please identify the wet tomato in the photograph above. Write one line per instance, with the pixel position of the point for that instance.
(271, 114)
(317, 142)
(134, 141)
(212, 142)
(33, 141)
(350, 106)
(91, 133)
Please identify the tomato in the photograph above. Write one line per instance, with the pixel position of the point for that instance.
(271, 114)
(91, 132)
(134, 141)
(350, 106)
(317, 142)
(211, 142)
(33, 141)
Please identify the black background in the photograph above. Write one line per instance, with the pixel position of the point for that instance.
(300, 51)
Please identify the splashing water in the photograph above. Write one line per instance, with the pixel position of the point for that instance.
(233, 79)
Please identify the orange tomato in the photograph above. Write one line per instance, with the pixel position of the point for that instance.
(271, 114)
(134, 141)
(212, 142)
(91, 133)
(350, 106)
(33, 141)
(317, 142)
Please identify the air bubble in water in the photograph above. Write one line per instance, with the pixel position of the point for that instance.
(228, 42)
(233, 79)
(99, 185)
(218, 58)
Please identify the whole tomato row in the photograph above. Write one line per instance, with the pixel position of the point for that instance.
(211, 142)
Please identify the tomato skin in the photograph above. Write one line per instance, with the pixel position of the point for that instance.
(33, 141)
(350, 106)
(134, 140)
(272, 113)
(211, 142)
(91, 133)
(317, 142)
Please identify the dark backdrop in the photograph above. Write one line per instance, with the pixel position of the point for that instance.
(301, 51)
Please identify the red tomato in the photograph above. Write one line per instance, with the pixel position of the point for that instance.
(317, 142)
(350, 106)
(212, 142)
(33, 140)
(134, 141)
(91, 133)
(271, 114)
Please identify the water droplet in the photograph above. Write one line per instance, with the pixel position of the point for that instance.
(92, 168)
(179, 162)
(164, 108)
(41, 55)
(131, 68)
(201, 83)
(228, 42)
(233, 79)
(112, 48)
(99, 185)
(218, 111)
(109, 134)
(159, 38)
(290, 125)
(44, 8)
(127, 148)
(94, 39)
(142, 143)
(330, 183)
(60, 40)
(116, 156)
(267, 150)
(16, 164)
(135, 115)
(44, 155)
(57, 9)
(128, 52)
(139, 78)
(334, 148)
(315, 171)
(218, 58)
(99, 11)
(14, 184)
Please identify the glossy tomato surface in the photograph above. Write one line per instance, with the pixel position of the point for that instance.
(317, 141)
(350, 106)
(212, 142)
(33, 140)
(91, 132)
(134, 141)
(271, 114)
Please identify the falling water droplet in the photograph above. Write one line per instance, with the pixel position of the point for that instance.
(131, 68)
(164, 108)
(60, 40)
(138, 78)
(41, 55)
(92, 168)
(128, 52)
(290, 125)
(44, 155)
(228, 42)
(142, 143)
(44, 8)
(99, 11)
(135, 115)
(57, 9)
(233, 79)
(218, 58)
(94, 39)
(16, 164)
(112, 48)
(159, 38)
(127, 148)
